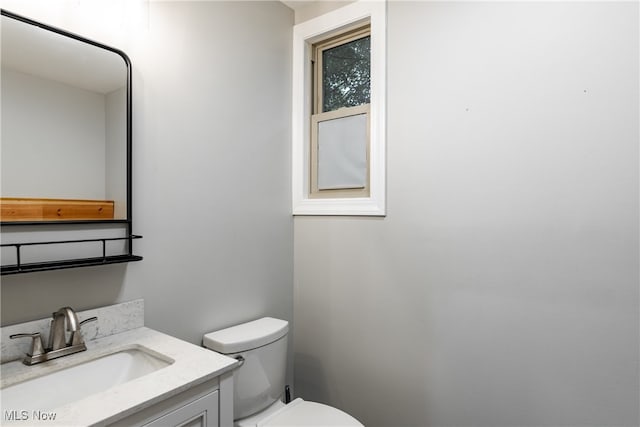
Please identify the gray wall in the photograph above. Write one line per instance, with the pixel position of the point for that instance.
(211, 173)
(502, 287)
(308, 9)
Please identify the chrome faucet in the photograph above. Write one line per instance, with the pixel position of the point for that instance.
(63, 319)
(57, 335)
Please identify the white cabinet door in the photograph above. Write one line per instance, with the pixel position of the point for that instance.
(202, 412)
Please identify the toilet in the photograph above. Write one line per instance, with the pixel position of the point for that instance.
(258, 382)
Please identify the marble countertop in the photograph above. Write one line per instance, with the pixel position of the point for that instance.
(192, 365)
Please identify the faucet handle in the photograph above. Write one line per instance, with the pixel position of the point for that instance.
(37, 348)
(76, 337)
(90, 319)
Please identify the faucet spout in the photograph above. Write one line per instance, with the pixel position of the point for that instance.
(64, 316)
(70, 316)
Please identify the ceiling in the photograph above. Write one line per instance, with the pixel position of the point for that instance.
(297, 4)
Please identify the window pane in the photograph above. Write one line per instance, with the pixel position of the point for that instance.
(342, 153)
(346, 75)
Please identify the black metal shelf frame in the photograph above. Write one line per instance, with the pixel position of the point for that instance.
(20, 267)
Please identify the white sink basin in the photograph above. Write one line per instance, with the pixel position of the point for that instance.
(76, 382)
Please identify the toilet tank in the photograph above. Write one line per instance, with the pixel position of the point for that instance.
(262, 344)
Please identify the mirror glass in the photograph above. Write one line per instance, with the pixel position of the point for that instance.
(64, 127)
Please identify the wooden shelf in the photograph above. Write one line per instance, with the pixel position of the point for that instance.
(32, 209)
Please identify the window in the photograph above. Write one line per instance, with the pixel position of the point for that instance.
(338, 119)
(342, 71)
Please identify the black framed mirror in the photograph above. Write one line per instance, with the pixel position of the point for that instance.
(66, 126)
(66, 154)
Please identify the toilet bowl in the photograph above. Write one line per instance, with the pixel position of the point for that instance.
(261, 348)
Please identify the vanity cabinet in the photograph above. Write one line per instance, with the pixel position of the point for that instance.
(132, 377)
(202, 412)
(209, 404)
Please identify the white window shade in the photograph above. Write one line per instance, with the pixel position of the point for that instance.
(342, 153)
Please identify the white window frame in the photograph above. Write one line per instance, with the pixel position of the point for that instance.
(304, 36)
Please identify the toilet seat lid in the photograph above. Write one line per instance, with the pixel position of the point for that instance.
(301, 413)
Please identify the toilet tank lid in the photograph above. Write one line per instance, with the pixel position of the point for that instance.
(246, 336)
